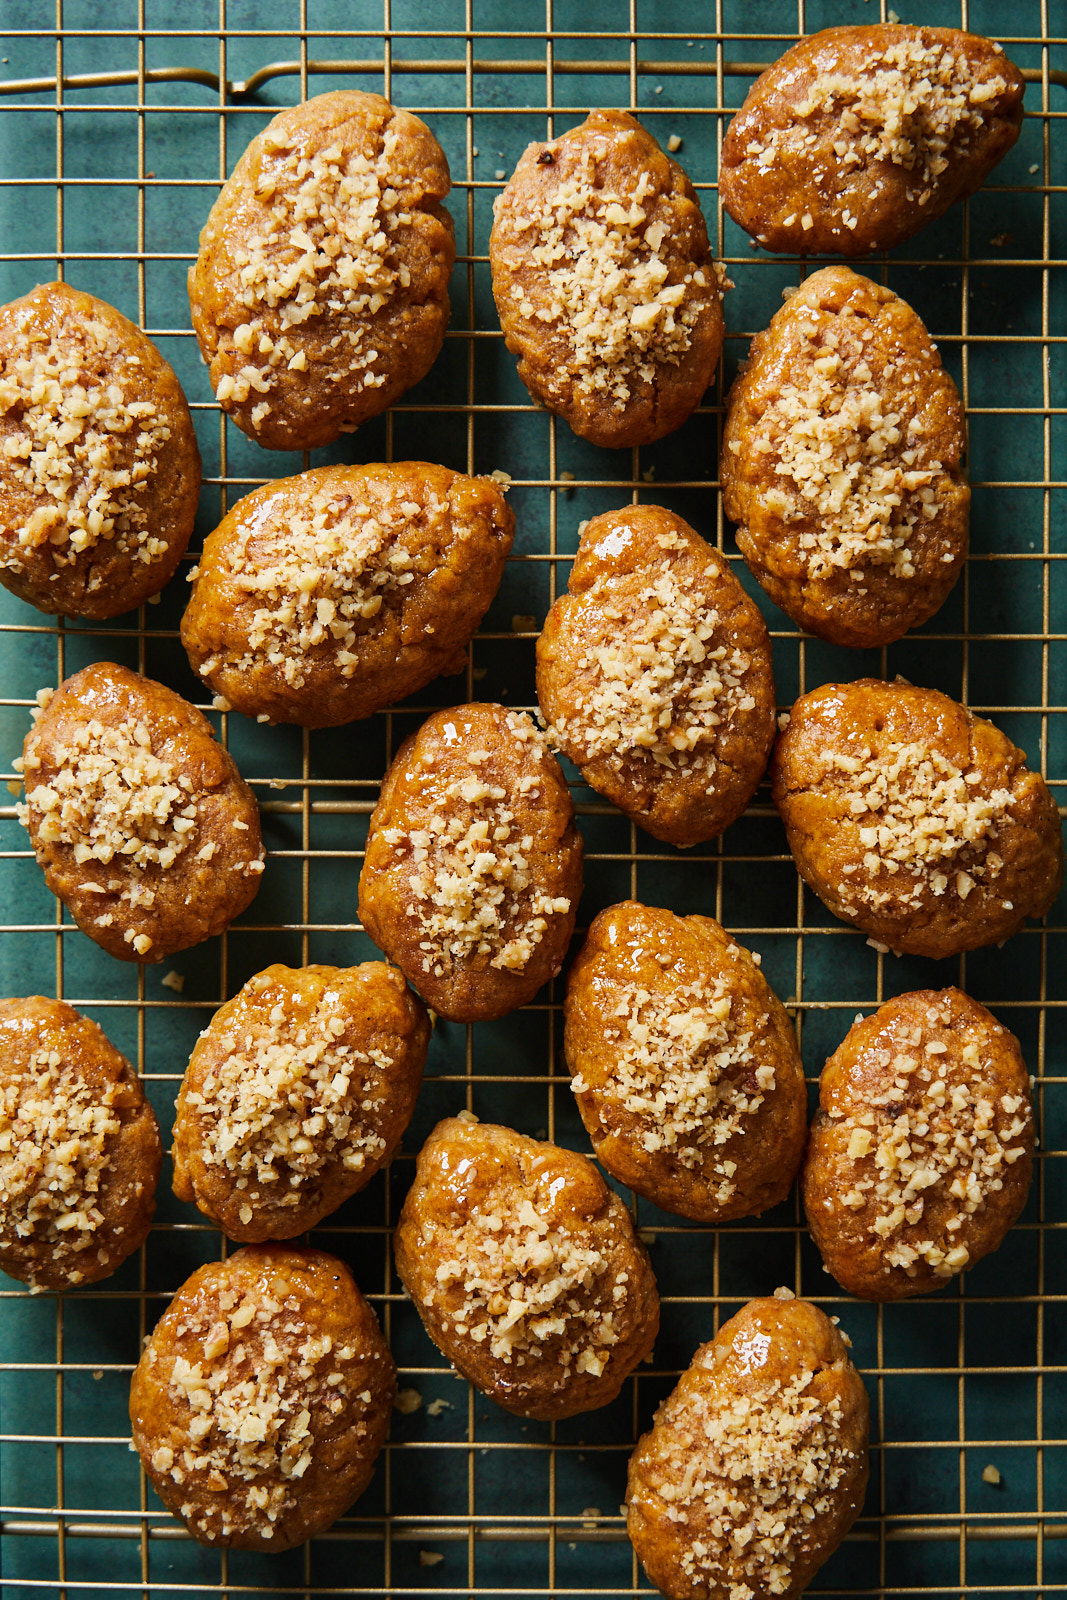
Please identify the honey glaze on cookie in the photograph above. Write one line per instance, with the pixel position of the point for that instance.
(920, 1157)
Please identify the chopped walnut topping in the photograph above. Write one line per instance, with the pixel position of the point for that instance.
(660, 685)
(319, 579)
(259, 1375)
(606, 278)
(938, 1133)
(912, 104)
(473, 891)
(57, 1134)
(525, 1281)
(111, 796)
(917, 814)
(286, 1099)
(325, 249)
(685, 1072)
(856, 470)
(759, 1466)
(78, 444)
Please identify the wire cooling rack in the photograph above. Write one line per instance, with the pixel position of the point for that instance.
(117, 122)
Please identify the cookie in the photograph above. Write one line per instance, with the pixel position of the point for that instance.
(756, 1465)
(841, 463)
(859, 136)
(525, 1269)
(99, 467)
(144, 827)
(604, 282)
(921, 1154)
(322, 598)
(320, 293)
(654, 674)
(262, 1398)
(79, 1148)
(913, 819)
(298, 1092)
(473, 866)
(684, 1064)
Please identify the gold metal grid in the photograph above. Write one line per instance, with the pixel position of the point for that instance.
(62, 1529)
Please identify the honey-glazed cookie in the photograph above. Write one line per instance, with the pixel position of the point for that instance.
(141, 821)
(684, 1064)
(604, 282)
(654, 674)
(79, 1148)
(921, 1154)
(320, 292)
(99, 467)
(298, 1092)
(473, 866)
(322, 598)
(263, 1397)
(525, 1269)
(841, 463)
(859, 136)
(756, 1465)
(913, 819)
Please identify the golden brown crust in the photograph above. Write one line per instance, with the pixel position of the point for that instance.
(860, 762)
(263, 1397)
(859, 136)
(473, 866)
(921, 1155)
(80, 1151)
(331, 228)
(841, 463)
(525, 1269)
(297, 1093)
(320, 599)
(605, 283)
(756, 1465)
(99, 467)
(684, 1064)
(140, 820)
(630, 677)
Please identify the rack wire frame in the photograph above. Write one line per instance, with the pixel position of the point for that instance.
(466, 1500)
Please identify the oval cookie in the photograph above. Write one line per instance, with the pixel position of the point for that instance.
(841, 463)
(604, 282)
(320, 292)
(141, 821)
(525, 1269)
(921, 1154)
(859, 136)
(99, 466)
(322, 598)
(654, 673)
(756, 1465)
(473, 867)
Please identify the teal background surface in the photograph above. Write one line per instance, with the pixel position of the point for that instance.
(108, 186)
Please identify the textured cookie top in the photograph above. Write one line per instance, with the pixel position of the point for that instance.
(604, 281)
(141, 821)
(79, 1147)
(262, 1397)
(99, 469)
(320, 290)
(920, 1158)
(297, 1090)
(858, 136)
(654, 674)
(848, 430)
(913, 818)
(525, 1267)
(321, 597)
(755, 1465)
